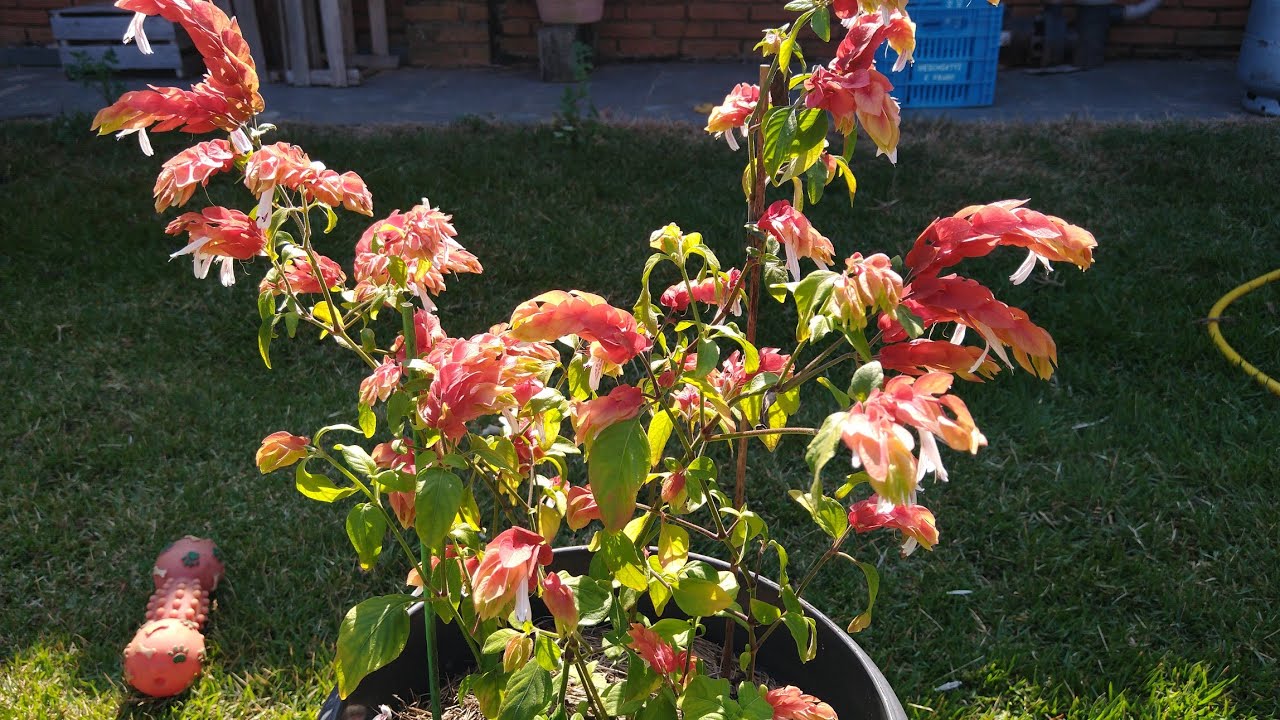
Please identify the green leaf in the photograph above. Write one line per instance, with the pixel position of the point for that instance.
(910, 322)
(594, 597)
(752, 700)
(811, 294)
(799, 5)
(823, 445)
(779, 132)
(546, 652)
(368, 421)
(821, 24)
(487, 687)
(318, 487)
(399, 270)
(617, 467)
(497, 640)
(861, 622)
(366, 526)
(394, 481)
(622, 559)
(829, 514)
(708, 699)
(358, 460)
(264, 342)
(703, 591)
(802, 628)
(371, 635)
(399, 409)
(528, 692)
(815, 181)
(673, 544)
(662, 707)
(579, 377)
(803, 631)
(868, 377)
(437, 502)
(764, 613)
(266, 306)
(750, 354)
(858, 340)
(708, 357)
(659, 432)
(839, 395)
(809, 142)
(332, 219)
(788, 46)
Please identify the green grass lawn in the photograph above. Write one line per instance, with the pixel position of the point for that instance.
(1118, 538)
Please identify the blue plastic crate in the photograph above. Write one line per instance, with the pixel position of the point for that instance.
(957, 50)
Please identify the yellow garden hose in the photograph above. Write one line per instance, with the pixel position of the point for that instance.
(1215, 314)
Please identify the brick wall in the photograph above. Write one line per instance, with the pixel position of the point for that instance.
(654, 29)
(1176, 28)
(447, 33)
(728, 29)
(480, 32)
(26, 22)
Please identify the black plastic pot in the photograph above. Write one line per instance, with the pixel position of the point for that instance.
(842, 674)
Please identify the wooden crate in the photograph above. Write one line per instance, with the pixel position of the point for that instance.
(95, 29)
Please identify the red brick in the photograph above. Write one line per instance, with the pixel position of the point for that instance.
(656, 12)
(1170, 17)
(517, 26)
(625, 30)
(1216, 4)
(477, 54)
(475, 12)
(25, 18)
(711, 48)
(1209, 38)
(715, 11)
(1232, 18)
(521, 47)
(463, 34)
(647, 47)
(771, 14)
(607, 49)
(13, 35)
(433, 12)
(615, 11)
(37, 4)
(519, 10)
(1141, 35)
(685, 29)
(743, 31)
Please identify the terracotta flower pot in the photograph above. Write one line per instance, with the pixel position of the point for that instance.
(570, 12)
(842, 674)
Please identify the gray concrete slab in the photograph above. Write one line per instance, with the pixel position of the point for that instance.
(1129, 90)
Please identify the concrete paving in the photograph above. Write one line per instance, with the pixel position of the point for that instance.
(1122, 90)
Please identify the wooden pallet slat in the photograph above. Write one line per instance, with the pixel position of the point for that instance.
(91, 31)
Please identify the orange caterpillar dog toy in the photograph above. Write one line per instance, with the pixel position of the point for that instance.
(166, 654)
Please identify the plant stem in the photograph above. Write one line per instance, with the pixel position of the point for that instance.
(590, 688)
(419, 455)
(674, 520)
(755, 210)
(831, 552)
(744, 434)
(429, 624)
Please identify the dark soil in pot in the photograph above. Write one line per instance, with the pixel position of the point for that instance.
(841, 674)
